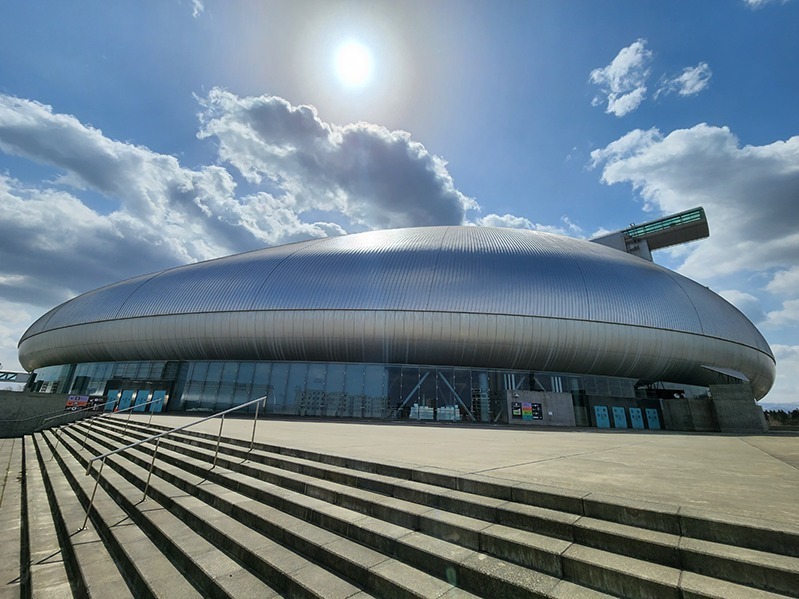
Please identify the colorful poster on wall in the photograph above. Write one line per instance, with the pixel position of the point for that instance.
(77, 402)
(516, 409)
(537, 411)
(527, 411)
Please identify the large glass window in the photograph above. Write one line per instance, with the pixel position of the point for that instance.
(295, 388)
(211, 384)
(337, 402)
(375, 404)
(227, 381)
(100, 377)
(330, 389)
(260, 380)
(242, 392)
(334, 383)
(409, 382)
(194, 387)
(354, 381)
(277, 388)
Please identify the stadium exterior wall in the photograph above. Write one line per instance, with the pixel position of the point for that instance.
(437, 296)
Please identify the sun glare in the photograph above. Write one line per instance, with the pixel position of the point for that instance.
(353, 63)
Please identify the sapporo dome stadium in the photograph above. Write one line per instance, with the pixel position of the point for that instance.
(438, 323)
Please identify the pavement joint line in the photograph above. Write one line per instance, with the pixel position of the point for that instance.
(6, 471)
(559, 457)
(770, 454)
(500, 480)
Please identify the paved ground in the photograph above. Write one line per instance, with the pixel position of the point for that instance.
(748, 475)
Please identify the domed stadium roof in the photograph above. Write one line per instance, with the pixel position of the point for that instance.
(460, 296)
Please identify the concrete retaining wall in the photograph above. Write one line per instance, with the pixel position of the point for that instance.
(689, 415)
(547, 409)
(21, 412)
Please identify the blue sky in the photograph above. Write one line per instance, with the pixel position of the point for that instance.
(138, 136)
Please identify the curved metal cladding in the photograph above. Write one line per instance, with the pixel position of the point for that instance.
(460, 296)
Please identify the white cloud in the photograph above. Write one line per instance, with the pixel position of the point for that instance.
(149, 212)
(690, 82)
(511, 221)
(750, 196)
(787, 315)
(756, 4)
(749, 192)
(623, 82)
(785, 281)
(16, 318)
(378, 178)
(197, 8)
(784, 390)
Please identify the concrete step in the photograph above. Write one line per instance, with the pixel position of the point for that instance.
(330, 535)
(388, 517)
(737, 531)
(760, 570)
(48, 571)
(265, 538)
(145, 568)
(92, 569)
(13, 551)
(212, 571)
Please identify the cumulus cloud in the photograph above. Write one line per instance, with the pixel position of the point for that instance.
(750, 196)
(16, 318)
(378, 178)
(509, 221)
(690, 82)
(784, 281)
(197, 8)
(622, 83)
(148, 212)
(784, 390)
(749, 192)
(756, 4)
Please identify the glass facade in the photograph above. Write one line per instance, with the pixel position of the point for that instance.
(325, 390)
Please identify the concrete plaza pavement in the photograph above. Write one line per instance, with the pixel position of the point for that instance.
(753, 476)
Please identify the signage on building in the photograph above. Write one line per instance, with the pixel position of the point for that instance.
(527, 411)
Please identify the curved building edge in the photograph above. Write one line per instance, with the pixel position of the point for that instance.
(407, 337)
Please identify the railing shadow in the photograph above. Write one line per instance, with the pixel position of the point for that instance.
(157, 438)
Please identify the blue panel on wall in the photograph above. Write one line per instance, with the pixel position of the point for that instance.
(124, 401)
(619, 417)
(111, 400)
(158, 401)
(602, 417)
(141, 400)
(637, 417)
(652, 418)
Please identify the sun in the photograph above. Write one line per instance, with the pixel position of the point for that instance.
(353, 63)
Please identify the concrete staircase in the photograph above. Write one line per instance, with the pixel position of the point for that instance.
(283, 522)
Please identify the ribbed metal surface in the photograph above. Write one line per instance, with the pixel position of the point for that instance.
(437, 295)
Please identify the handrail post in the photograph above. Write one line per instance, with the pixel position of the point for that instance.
(150, 421)
(255, 421)
(125, 429)
(96, 484)
(157, 439)
(88, 429)
(150, 473)
(218, 440)
(57, 441)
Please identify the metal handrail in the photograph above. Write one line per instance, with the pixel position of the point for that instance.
(60, 413)
(157, 438)
(64, 413)
(100, 415)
